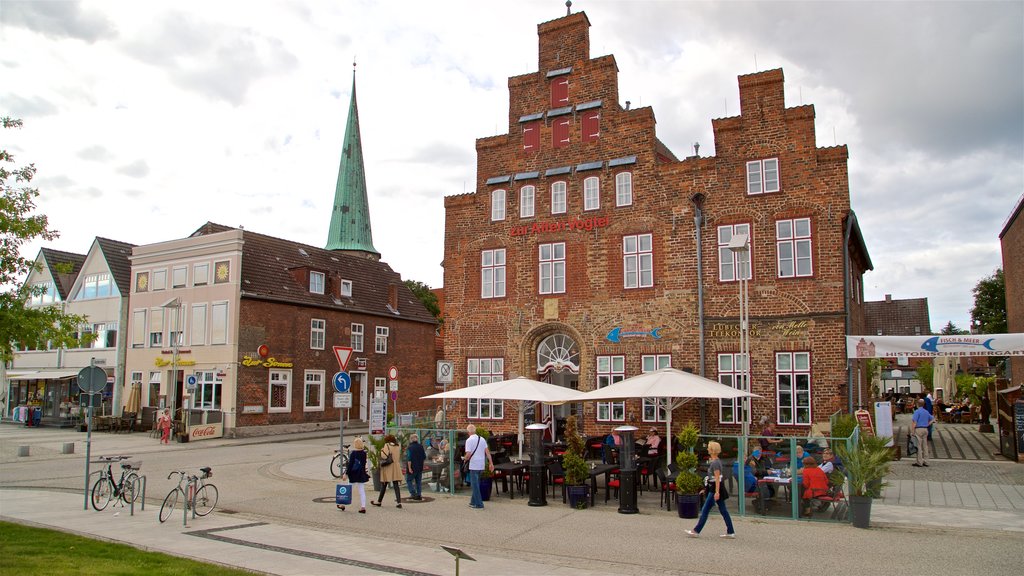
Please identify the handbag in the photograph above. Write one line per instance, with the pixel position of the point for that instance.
(343, 494)
(387, 461)
(709, 487)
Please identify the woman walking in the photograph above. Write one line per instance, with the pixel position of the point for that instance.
(164, 424)
(355, 472)
(718, 496)
(392, 472)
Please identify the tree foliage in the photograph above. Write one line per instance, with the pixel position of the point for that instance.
(926, 374)
(951, 328)
(19, 323)
(426, 296)
(989, 312)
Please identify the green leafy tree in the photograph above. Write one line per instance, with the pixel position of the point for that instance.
(989, 312)
(20, 323)
(427, 297)
(951, 328)
(926, 374)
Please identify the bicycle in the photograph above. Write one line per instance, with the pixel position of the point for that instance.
(340, 462)
(126, 488)
(199, 496)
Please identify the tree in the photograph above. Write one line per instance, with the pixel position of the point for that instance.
(951, 328)
(926, 374)
(20, 323)
(427, 297)
(989, 312)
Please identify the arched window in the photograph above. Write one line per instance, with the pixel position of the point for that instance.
(558, 352)
(623, 189)
(558, 198)
(498, 205)
(592, 193)
(526, 201)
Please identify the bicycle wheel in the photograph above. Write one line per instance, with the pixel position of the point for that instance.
(168, 506)
(131, 488)
(338, 464)
(205, 499)
(102, 492)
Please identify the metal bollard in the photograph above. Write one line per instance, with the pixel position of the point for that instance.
(23, 450)
(68, 448)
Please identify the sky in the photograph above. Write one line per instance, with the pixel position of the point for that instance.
(147, 119)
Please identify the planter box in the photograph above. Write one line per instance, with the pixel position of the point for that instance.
(689, 505)
(485, 488)
(860, 511)
(578, 496)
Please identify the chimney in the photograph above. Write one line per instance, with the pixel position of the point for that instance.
(888, 298)
(393, 297)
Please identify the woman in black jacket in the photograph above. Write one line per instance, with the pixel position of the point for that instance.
(355, 472)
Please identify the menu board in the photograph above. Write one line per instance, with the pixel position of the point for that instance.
(883, 416)
(864, 419)
(1018, 409)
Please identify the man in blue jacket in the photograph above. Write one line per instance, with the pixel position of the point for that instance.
(922, 419)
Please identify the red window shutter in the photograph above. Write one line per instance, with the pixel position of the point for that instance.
(560, 132)
(591, 126)
(531, 136)
(560, 92)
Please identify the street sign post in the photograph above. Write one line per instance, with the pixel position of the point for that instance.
(342, 381)
(91, 380)
(342, 400)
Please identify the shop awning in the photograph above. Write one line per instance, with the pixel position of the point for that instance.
(44, 374)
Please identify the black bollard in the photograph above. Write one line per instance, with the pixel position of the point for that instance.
(627, 472)
(538, 472)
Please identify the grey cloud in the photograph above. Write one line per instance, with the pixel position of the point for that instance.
(136, 169)
(65, 19)
(95, 153)
(441, 154)
(220, 62)
(27, 108)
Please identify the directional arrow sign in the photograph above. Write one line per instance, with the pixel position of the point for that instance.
(342, 382)
(343, 353)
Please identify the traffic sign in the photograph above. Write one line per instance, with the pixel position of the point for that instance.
(393, 386)
(445, 371)
(343, 400)
(342, 381)
(343, 353)
(393, 373)
(394, 395)
(91, 379)
(190, 382)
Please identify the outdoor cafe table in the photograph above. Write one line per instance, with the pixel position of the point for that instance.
(514, 469)
(596, 471)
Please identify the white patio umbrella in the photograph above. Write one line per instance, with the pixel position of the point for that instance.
(523, 390)
(675, 386)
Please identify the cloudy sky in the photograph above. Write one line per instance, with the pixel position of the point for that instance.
(147, 119)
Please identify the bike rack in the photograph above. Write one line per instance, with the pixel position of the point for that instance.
(142, 482)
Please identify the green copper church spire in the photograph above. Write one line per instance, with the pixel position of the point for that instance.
(350, 218)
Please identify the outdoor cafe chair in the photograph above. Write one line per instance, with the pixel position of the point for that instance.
(557, 477)
(668, 487)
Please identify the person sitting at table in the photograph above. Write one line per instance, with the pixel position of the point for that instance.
(652, 444)
(816, 439)
(799, 456)
(815, 484)
(830, 462)
(769, 437)
(612, 445)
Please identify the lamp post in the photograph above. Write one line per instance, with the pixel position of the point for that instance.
(174, 304)
(739, 245)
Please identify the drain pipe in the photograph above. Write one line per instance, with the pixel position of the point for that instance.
(698, 222)
(851, 218)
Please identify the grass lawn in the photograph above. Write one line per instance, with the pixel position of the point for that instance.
(27, 550)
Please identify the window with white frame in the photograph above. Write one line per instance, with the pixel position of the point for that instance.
(591, 193)
(96, 286)
(219, 323)
(356, 338)
(138, 329)
(179, 276)
(624, 189)
(638, 261)
(201, 274)
(498, 205)
(159, 280)
(527, 194)
(313, 398)
(156, 328)
(208, 390)
(316, 282)
(732, 265)
(558, 198)
(380, 345)
(763, 176)
(106, 334)
(346, 288)
(731, 372)
(198, 333)
(485, 371)
(655, 409)
(154, 388)
(280, 391)
(793, 387)
(43, 293)
(136, 377)
(552, 268)
(175, 335)
(492, 273)
(317, 333)
(793, 245)
(610, 369)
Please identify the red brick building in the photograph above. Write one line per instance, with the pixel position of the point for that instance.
(1011, 240)
(589, 252)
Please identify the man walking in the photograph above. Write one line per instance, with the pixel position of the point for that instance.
(414, 458)
(922, 419)
(929, 406)
(477, 455)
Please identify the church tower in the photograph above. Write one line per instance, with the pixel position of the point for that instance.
(350, 218)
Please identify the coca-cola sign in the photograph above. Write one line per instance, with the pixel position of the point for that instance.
(206, 431)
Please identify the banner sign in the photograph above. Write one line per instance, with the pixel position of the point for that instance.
(934, 346)
(205, 431)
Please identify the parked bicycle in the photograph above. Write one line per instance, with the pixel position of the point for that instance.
(198, 496)
(339, 462)
(126, 488)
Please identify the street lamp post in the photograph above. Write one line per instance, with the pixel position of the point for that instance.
(739, 244)
(174, 304)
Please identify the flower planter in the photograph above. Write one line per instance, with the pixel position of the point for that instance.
(375, 476)
(485, 488)
(860, 511)
(577, 496)
(689, 505)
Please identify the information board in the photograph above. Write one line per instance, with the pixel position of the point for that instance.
(864, 419)
(377, 417)
(883, 419)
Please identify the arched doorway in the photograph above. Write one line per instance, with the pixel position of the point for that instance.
(558, 362)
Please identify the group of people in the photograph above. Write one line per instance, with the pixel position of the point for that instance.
(651, 446)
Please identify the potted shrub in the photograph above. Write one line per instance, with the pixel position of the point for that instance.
(866, 465)
(373, 455)
(574, 466)
(688, 482)
(486, 481)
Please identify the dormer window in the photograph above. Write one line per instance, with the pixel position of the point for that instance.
(316, 282)
(346, 288)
